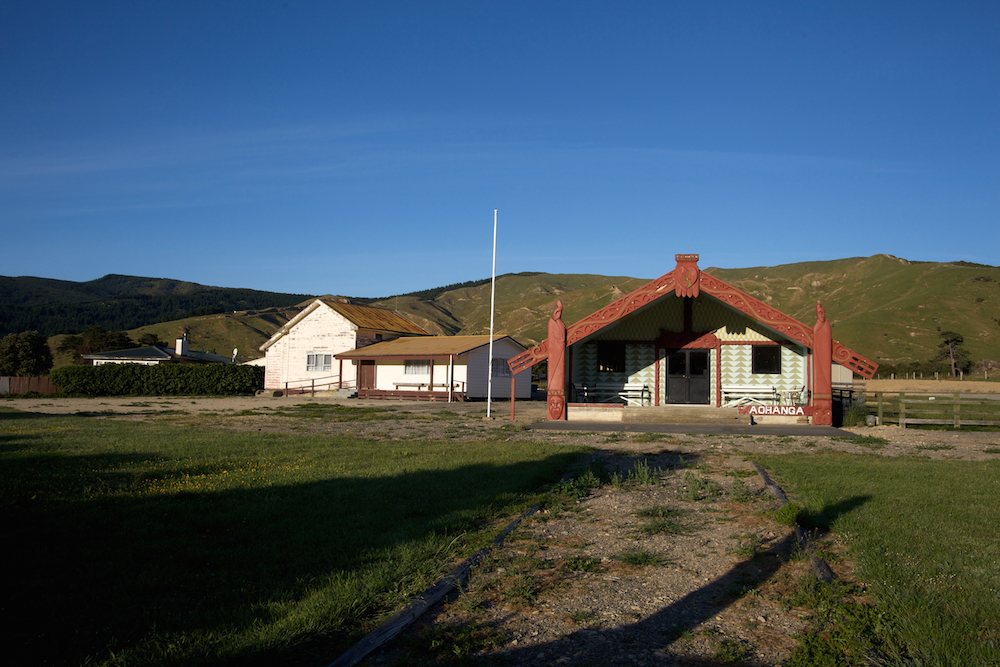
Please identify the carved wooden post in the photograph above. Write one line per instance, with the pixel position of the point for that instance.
(557, 365)
(822, 369)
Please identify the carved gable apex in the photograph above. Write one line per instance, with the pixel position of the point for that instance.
(687, 276)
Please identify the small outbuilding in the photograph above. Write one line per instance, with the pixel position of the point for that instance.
(446, 368)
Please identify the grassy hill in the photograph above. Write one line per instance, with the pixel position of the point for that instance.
(888, 309)
(884, 307)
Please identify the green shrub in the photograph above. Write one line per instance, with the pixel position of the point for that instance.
(159, 380)
(856, 413)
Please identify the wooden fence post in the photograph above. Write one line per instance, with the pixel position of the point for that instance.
(878, 395)
(902, 409)
(958, 411)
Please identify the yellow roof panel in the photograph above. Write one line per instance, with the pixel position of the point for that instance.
(378, 319)
(423, 346)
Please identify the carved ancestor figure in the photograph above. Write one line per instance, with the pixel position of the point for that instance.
(557, 365)
(822, 362)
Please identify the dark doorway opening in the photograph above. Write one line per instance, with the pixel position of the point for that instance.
(687, 376)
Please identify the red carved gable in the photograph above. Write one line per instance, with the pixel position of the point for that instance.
(687, 280)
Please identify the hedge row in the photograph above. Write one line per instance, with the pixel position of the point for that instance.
(158, 380)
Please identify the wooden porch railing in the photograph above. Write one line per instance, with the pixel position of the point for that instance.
(312, 385)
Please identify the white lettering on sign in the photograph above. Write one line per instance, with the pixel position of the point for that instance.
(780, 410)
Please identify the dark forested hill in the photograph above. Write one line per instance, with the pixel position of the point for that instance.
(118, 303)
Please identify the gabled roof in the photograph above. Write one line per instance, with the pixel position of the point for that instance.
(687, 280)
(370, 318)
(378, 319)
(423, 346)
(155, 353)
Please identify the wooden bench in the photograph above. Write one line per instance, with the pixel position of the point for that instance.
(419, 386)
(734, 395)
(632, 393)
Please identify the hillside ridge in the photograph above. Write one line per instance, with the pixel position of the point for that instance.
(887, 308)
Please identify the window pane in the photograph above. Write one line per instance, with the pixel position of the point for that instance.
(417, 367)
(766, 359)
(319, 362)
(611, 357)
(500, 368)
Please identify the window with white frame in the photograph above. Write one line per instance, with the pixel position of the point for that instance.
(500, 368)
(319, 361)
(417, 367)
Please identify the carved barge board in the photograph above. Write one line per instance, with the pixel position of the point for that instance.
(686, 279)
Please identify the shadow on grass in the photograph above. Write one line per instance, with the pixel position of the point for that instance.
(94, 564)
(684, 615)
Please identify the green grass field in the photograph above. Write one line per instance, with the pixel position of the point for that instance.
(926, 539)
(130, 543)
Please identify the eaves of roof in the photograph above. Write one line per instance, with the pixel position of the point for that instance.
(415, 347)
(363, 317)
(156, 353)
(151, 353)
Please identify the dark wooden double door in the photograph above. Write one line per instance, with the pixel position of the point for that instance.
(687, 376)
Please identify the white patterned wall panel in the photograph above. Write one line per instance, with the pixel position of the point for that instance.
(640, 362)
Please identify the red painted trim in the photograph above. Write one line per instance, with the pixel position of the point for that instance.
(668, 284)
(754, 342)
(757, 310)
(513, 395)
(656, 384)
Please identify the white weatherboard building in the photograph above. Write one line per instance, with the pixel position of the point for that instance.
(300, 355)
(438, 368)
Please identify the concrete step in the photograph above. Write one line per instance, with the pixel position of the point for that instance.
(683, 414)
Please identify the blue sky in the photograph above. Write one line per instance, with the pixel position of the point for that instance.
(360, 148)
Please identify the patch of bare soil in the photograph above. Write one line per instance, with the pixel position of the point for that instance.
(684, 571)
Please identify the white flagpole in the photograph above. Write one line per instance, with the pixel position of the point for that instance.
(493, 293)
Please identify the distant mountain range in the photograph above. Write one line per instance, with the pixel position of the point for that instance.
(888, 309)
(118, 303)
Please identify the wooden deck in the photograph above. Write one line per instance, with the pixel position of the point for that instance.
(410, 395)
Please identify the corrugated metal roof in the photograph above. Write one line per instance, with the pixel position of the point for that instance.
(155, 353)
(423, 346)
(152, 353)
(379, 319)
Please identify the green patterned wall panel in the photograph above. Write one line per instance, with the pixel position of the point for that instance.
(667, 313)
